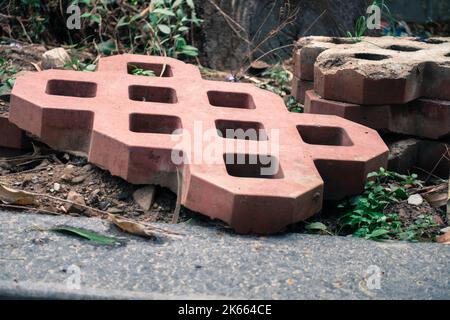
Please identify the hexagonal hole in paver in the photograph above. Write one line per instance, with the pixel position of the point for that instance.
(152, 94)
(69, 88)
(231, 100)
(371, 56)
(242, 130)
(327, 136)
(431, 41)
(342, 41)
(149, 123)
(253, 166)
(156, 68)
(403, 48)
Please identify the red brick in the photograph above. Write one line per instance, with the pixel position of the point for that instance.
(11, 136)
(423, 117)
(307, 49)
(102, 114)
(374, 71)
(299, 88)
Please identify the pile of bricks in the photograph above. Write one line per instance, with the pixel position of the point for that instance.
(134, 125)
(394, 85)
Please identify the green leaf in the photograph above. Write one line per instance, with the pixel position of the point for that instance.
(86, 234)
(176, 3)
(90, 67)
(10, 82)
(164, 28)
(316, 226)
(106, 47)
(190, 3)
(96, 18)
(164, 12)
(122, 22)
(377, 233)
(135, 17)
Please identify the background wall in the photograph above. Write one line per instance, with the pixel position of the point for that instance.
(224, 49)
(421, 11)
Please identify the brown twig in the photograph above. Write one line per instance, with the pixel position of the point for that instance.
(10, 206)
(24, 30)
(176, 213)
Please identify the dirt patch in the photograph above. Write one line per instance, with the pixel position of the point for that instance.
(56, 174)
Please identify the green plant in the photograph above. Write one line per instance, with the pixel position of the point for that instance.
(141, 72)
(315, 227)
(77, 65)
(160, 28)
(278, 79)
(278, 82)
(293, 105)
(361, 22)
(360, 29)
(366, 214)
(7, 78)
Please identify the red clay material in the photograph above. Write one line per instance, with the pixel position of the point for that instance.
(11, 136)
(299, 88)
(125, 124)
(374, 71)
(423, 117)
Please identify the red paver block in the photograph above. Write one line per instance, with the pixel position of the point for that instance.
(11, 136)
(125, 124)
(306, 51)
(384, 70)
(299, 88)
(422, 117)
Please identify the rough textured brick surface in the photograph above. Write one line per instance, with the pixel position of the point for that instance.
(422, 117)
(11, 136)
(299, 88)
(383, 70)
(125, 124)
(408, 154)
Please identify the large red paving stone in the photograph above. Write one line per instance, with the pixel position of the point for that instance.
(383, 70)
(11, 136)
(102, 115)
(422, 117)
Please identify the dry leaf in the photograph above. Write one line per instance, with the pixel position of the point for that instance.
(132, 227)
(17, 197)
(436, 200)
(444, 239)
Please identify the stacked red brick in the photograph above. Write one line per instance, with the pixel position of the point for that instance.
(10, 135)
(134, 125)
(394, 85)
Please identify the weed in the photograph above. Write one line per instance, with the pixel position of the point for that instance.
(293, 105)
(361, 22)
(7, 78)
(141, 72)
(77, 65)
(365, 214)
(161, 28)
(278, 80)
